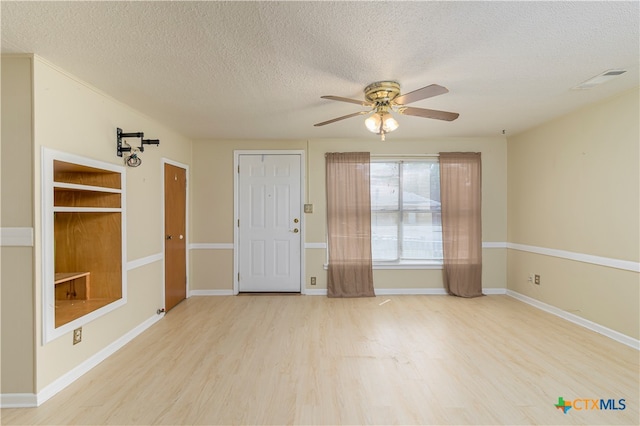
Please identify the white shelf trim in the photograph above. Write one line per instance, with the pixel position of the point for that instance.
(87, 210)
(78, 187)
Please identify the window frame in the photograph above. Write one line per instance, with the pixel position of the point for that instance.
(400, 211)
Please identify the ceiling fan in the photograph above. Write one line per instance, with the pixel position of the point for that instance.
(384, 97)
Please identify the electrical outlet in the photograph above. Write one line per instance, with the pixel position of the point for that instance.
(536, 279)
(530, 278)
(77, 336)
(313, 280)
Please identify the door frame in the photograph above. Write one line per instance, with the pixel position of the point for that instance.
(162, 231)
(236, 210)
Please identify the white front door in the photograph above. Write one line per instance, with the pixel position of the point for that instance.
(269, 227)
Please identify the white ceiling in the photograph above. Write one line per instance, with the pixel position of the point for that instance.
(220, 70)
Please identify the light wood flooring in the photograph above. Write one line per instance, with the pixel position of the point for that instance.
(313, 360)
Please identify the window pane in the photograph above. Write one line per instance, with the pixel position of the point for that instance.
(421, 185)
(421, 236)
(384, 235)
(385, 186)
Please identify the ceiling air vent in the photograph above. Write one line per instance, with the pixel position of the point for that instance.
(599, 79)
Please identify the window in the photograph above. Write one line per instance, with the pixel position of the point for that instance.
(405, 212)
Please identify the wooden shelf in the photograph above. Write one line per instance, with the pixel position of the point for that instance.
(78, 187)
(87, 221)
(69, 310)
(79, 174)
(65, 283)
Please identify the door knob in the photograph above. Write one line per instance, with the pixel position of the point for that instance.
(169, 237)
(295, 230)
(295, 220)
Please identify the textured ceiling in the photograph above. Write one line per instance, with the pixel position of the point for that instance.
(219, 70)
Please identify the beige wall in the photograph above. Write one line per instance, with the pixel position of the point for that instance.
(72, 117)
(212, 206)
(574, 185)
(17, 356)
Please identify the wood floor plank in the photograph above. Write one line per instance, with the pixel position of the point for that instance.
(276, 359)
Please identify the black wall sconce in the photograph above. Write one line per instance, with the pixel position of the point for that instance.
(132, 160)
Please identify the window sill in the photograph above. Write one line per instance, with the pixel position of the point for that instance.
(406, 265)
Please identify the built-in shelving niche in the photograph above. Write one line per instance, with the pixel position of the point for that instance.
(83, 240)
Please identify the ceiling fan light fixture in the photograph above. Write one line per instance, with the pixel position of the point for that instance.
(373, 123)
(383, 97)
(381, 123)
(389, 124)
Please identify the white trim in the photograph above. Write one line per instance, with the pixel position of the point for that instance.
(492, 245)
(236, 210)
(579, 257)
(408, 291)
(211, 293)
(424, 266)
(315, 245)
(49, 331)
(147, 260)
(485, 245)
(16, 237)
(612, 334)
(18, 400)
(164, 161)
(84, 367)
(79, 187)
(316, 292)
(211, 246)
(494, 291)
(87, 210)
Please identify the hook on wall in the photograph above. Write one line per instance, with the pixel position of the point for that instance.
(132, 160)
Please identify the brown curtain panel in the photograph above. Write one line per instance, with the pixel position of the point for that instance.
(350, 271)
(461, 198)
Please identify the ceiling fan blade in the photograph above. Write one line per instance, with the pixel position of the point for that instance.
(429, 113)
(417, 95)
(351, 101)
(342, 118)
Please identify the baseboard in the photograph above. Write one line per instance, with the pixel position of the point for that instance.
(70, 377)
(612, 334)
(210, 293)
(316, 292)
(407, 291)
(18, 400)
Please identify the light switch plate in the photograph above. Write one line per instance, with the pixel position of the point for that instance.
(308, 208)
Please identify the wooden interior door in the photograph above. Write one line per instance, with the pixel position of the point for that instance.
(175, 248)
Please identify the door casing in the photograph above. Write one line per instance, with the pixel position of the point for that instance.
(236, 210)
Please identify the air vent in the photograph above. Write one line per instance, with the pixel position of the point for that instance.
(599, 79)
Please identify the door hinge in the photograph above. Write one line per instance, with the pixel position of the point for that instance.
(238, 168)
(238, 276)
(238, 223)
